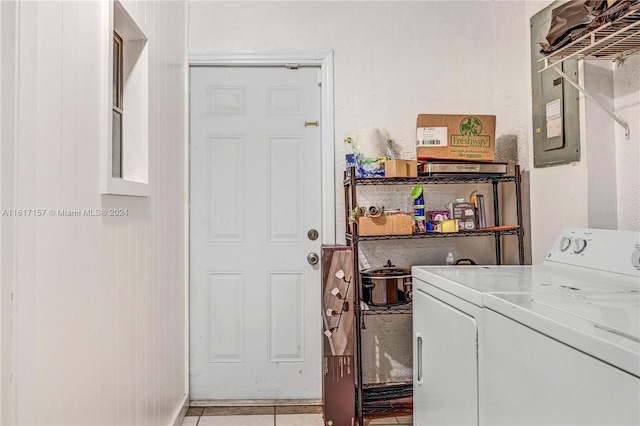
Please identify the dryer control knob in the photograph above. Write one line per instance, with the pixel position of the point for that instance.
(565, 242)
(579, 245)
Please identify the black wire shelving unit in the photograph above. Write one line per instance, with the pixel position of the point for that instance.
(396, 398)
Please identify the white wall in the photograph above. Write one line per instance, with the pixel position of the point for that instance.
(602, 189)
(392, 61)
(395, 59)
(599, 143)
(7, 111)
(626, 87)
(99, 302)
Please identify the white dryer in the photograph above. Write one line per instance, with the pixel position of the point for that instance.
(447, 327)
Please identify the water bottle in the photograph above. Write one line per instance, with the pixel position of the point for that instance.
(449, 259)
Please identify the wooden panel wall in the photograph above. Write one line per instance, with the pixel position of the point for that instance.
(99, 312)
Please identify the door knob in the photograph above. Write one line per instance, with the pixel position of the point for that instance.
(312, 258)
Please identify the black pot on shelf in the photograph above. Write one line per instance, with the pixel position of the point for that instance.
(464, 262)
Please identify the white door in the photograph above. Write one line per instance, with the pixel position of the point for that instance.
(255, 326)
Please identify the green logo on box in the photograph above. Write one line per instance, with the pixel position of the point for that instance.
(471, 129)
(471, 126)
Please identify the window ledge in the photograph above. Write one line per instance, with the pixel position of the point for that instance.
(126, 187)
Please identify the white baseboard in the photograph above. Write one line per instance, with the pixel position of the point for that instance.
(182, 410)
(253, 402)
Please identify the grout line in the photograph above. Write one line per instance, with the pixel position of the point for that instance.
(275, 417)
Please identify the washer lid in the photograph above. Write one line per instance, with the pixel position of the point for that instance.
(605, 325)
(469, 282)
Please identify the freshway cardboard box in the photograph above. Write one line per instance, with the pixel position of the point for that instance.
(456, 137)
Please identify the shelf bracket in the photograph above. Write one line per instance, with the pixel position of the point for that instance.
(602, 106)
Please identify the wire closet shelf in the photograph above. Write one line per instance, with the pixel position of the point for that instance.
(615, 40)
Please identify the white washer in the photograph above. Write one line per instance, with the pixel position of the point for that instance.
(555, 343)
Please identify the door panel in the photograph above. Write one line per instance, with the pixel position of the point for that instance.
(255, 192)
(286, 326)
(226, 174)
(285, 193)
(224, 308)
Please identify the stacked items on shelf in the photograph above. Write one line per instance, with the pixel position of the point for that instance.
(373, 154)
(413, 218)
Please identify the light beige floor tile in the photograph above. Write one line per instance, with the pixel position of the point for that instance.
(190, 421)
(299, 420)
(259, 420)
(298, 409)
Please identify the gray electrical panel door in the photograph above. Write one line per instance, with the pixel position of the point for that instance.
(556, 119)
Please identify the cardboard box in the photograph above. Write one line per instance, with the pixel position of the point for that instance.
(400, 168)
(338, 379)
(465, 213)
(385, 225)
(437, 215)
(456, 137)
(448, 225)
(338, 397)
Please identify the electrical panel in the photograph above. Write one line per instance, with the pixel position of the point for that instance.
(556, 119)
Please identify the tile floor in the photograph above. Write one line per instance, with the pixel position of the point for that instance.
(293, 415)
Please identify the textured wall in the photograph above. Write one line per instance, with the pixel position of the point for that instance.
(99, 302)
(392, 61)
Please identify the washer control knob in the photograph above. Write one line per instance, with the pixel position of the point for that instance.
(635, 258)
(579, 245)
(565, 242)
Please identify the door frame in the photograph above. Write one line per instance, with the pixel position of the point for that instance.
(324, 60)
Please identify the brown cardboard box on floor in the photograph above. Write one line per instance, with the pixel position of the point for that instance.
(338, 382)
(456, 137)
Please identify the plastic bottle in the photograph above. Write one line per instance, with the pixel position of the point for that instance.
(417, 193)
(449, 258)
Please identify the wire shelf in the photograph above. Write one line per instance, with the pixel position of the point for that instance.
(514, 230)
(387, 407)
(386, 310)
(388, 398)
(614, 40)
(456, 179)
